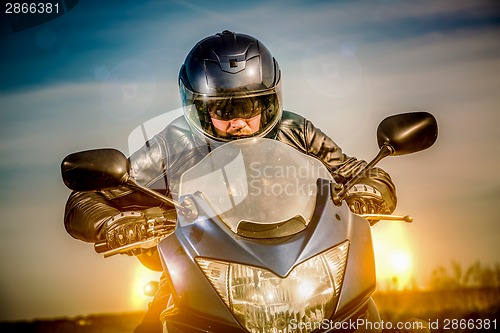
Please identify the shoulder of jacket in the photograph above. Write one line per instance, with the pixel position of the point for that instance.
(175, 129)
(291, 119)
(147, 163)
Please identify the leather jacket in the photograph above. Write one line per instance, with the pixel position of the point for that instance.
(161, 161)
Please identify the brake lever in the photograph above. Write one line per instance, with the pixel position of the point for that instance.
(374, 218)
(145, 244)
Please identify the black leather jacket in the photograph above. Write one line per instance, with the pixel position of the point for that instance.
(160, 162)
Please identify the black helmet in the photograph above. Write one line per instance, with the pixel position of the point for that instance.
(228, 77)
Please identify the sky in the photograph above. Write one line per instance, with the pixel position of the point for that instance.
(88, 78)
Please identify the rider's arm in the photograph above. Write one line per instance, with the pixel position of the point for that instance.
(301, 133)
(87, 213)
(344, 167)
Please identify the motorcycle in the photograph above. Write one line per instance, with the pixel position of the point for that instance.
(263, 241)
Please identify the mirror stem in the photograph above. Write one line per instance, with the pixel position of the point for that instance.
(134, 185)
(339, 191)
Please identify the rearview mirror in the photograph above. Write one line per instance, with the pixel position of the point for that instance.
(407, 133)
(100, 169)
(400, 134)
(93, 170)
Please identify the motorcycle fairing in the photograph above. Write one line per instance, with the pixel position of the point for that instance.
(211, 238)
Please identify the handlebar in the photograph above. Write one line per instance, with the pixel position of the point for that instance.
(103, 248)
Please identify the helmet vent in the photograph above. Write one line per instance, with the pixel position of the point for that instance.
(233, 63)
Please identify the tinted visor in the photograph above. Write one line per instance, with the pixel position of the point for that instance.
(233, 107)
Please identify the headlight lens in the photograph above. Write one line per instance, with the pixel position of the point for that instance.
(263, 302)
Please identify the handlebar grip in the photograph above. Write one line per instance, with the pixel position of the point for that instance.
(101, 247)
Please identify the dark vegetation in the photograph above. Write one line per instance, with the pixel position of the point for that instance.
(456, 300)
(101, 323)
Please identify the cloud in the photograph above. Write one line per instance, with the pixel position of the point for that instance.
(41, 123)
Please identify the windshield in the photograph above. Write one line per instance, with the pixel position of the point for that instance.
(256, 180)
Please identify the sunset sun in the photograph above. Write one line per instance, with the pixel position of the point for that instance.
(142, 276)
(400, 262)
(393, 256)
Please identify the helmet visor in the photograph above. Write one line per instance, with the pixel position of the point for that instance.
(233, 115)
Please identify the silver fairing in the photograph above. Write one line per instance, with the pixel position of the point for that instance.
(211, 236)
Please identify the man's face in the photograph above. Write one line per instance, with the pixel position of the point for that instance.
(237, 126)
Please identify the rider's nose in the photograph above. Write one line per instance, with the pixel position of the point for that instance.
(237, 123)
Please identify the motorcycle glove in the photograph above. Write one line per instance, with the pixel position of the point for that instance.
(365, 199)
(133, 227)
(126, 228)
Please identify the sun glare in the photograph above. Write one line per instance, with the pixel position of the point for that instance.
(393, 256)
(400, 262)
(142, 276)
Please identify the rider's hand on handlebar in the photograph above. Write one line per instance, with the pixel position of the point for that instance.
(364, 199)
(135, 232)
(126, 228)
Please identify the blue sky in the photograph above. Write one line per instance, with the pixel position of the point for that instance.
(346, 65)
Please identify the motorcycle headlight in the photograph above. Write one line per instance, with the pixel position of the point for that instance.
(263, 302)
